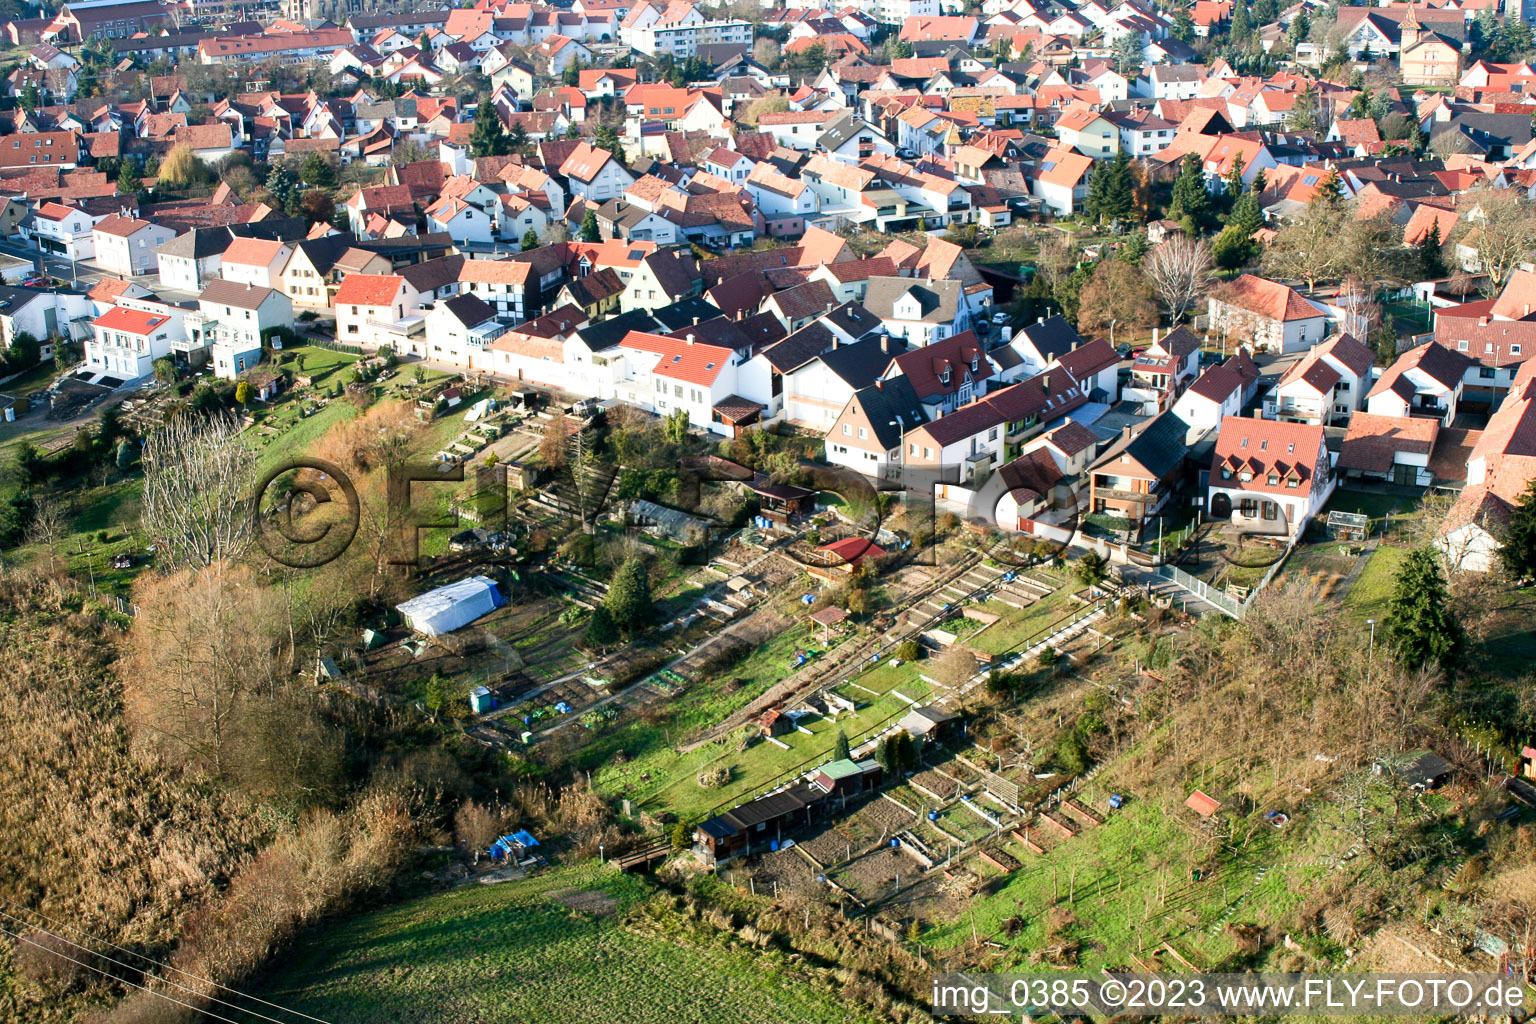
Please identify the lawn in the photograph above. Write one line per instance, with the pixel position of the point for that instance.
(651, 764)
(297, 435)
(1120, 889)
(1372, 589)
(1020, 626)
(514, 953)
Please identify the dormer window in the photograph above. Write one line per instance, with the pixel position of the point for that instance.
(1274, 478)
(944, 378)
(975, 363)
(1245, 477)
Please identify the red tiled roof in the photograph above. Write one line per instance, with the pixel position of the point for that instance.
(132, 321)
(695, 363)
(1268, 298)
(1372, 440)
(1261, 446)
(368, 289)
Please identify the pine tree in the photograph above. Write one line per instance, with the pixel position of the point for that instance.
(1234, 179)
(1246, 216)
(1329, 191)
(1242, 25)
(601, 632)
(282, 186)
(1189, 196)
(1259, 183)
(589, 229)
(1183, 26)
(530, 239)
(1420, 624)
(489, 136)
(1232, 247)
(629, 597)
(1431, 258)
(1134, 249)
(840, 751)
(128, 181)
(1519, 551)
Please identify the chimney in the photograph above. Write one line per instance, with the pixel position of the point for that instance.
(885, 344)
(1074, 346)
(1482, 321)
(690, 339)
(695, 321)
(1154, 335)
(1040, 320)
(1045, 383)
(1125, 432)
(829, 307)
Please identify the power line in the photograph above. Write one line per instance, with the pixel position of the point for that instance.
(121, 981)
(149, 959)
(130, 967)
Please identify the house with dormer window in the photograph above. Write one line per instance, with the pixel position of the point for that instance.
(1269, 477)
(920, 310)
(946, 374)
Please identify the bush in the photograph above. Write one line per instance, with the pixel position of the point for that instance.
(909, 650)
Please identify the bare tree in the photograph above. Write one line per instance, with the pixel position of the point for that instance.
(197, 473)
(1501, 227)
(1178, 270)
(1309, 249)
(1361, 312)
(47, 525)
(554, 445)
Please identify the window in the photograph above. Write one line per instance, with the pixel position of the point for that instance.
(863, 434)
(847, 430)
(1293, 482)
(1486, 372)
(1273, 479)
(1461, 346)
(1514, 350)
(1226, 473)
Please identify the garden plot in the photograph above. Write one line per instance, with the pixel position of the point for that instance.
(884, 818)
(879, 873)
(937, 787)
(964, 823)
(829, 846)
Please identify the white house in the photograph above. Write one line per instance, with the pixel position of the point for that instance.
(594, 174)
(128, 338)
(231, 322)
(460, 329)
(1425, 381)
(1327, 386)
(1060, 180)
(190, 260)
(255, 261)
(1268, 315)
(63, 231)
(372, 310)
(920, 310)
(667, 374)
(1217, 393)
(126, 245)
(1269, 477)
(462, 220)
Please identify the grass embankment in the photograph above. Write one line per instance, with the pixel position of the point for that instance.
(556, 948)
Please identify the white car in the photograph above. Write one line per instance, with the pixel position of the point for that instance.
(1001, 319)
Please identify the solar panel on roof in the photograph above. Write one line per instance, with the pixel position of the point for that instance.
(637, 254)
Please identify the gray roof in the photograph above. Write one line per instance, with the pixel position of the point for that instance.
(470, 310)
(939, 300)
(891, 400)
(843, 129)
(1159, 446)
(197, 244)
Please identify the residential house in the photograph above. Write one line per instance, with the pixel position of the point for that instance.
(460, 330)
(62, 230)
(1425, 381)
(1394, 449)
(126, 245)
(190, 260)
(1326, 386)
(1269, 477)
(1088, 132)
(1221, 391)
(1267, 315)
(256, 261)
(231, 322)
(867, 435)
(372, 309)
(919, 310)
(127, 339)
(1060, 180)
(593, 173)
(1139, 474)
(1162, 372)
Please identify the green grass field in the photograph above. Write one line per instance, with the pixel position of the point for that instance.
(514, 953)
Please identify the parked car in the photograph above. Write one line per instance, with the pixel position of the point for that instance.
(1001, 318)
(1123, 349)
